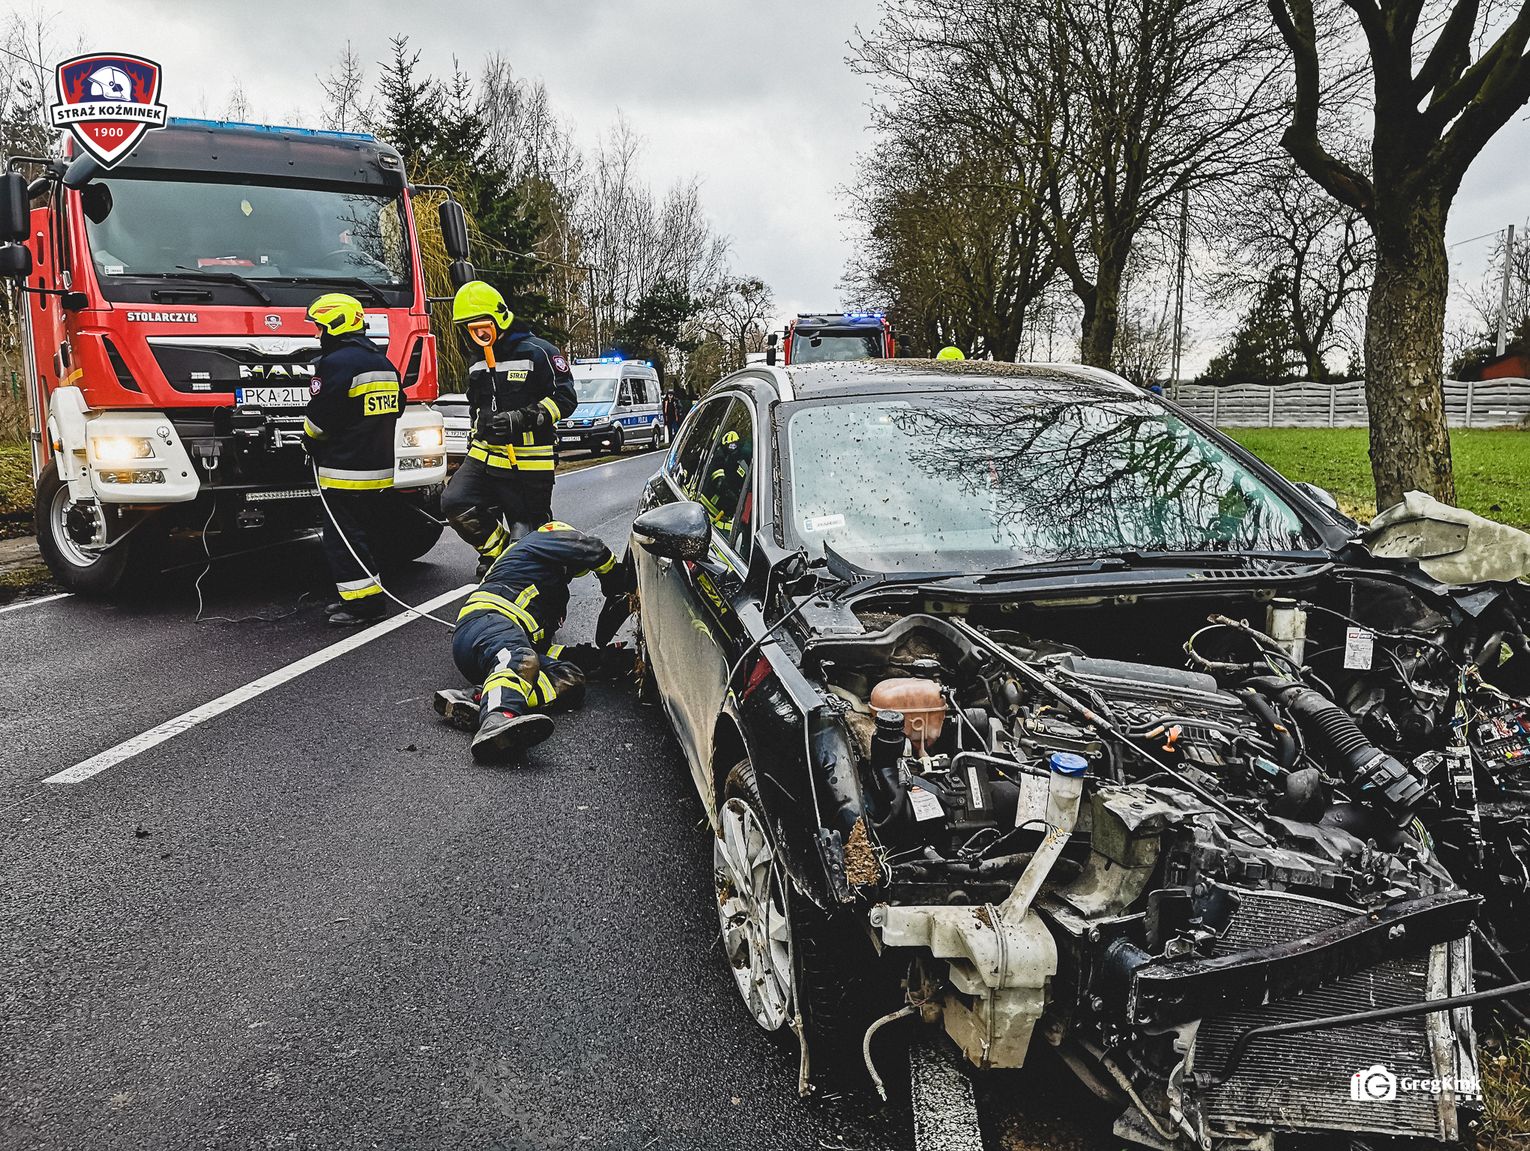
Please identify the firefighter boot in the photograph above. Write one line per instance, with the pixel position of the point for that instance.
(368, 610)
(459, 708)
(502, 736)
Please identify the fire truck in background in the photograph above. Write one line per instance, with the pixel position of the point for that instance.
(821, 337)
(168, 356)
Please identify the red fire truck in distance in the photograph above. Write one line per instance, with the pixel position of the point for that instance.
(168, 356)
(821, 337)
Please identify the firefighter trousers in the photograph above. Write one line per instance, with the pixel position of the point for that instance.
(514, 677)
(365, 518)
(491, 507)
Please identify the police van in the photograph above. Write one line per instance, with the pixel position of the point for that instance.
(619, 404)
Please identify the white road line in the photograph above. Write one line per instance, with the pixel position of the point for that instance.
(35, 602)
(188, 720)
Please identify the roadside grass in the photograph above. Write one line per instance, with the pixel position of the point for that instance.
(16, 496)
(1492, 466)
(1506, 1089)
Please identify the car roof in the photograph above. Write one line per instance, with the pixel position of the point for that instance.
(851, 377)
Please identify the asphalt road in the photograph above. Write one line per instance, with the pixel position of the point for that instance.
(311, 922)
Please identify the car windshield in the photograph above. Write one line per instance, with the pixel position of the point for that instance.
(596, 389)
(165, 227)
(823, 347)
(974, 481)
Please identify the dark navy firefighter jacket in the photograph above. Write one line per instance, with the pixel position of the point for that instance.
(349, 421)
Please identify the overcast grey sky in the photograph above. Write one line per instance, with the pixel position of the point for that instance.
(753, 97)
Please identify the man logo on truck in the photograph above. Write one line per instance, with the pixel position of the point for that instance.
(108, 101)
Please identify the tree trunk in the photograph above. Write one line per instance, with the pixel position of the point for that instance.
(1100, 335)
(1405, 347)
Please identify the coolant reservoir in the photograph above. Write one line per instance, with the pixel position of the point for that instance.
(920, 701)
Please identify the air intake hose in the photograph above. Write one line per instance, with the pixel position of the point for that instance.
(1378, 778)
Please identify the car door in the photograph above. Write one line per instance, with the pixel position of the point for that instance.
(698, 630)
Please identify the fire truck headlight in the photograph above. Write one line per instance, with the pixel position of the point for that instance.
(424, 438)
(117, 449)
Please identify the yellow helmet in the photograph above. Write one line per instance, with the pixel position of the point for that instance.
(476, 300)
(556, 526)
(730, 438)
(950, 352)
(337, 313)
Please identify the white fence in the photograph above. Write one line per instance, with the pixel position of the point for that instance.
(1468, 404)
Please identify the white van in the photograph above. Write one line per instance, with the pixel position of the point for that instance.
(619, 404)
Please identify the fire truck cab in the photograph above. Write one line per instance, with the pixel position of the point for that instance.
(167, 351)
(822, 337)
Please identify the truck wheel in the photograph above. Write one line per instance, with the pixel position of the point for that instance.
(66, 526)
(656, 435)
(618, 441)
(415, 533)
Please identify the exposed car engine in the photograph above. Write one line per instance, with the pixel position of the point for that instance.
(1140, 859)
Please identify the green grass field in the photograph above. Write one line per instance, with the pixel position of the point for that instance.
(1492, 466)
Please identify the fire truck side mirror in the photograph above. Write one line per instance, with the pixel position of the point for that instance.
(15, 261)
(770, 349)
(461, 272)
(14, 205)
(454, 231)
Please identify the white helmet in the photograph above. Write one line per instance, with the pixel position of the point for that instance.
(109, 84)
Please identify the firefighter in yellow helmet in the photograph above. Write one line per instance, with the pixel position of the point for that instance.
(518, 388)
(950, 352)
(355, 401)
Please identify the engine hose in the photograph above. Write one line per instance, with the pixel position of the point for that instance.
(1379, 778)
(375, 575)
(1285, 742)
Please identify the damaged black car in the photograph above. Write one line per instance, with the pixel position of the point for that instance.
(1035, 711)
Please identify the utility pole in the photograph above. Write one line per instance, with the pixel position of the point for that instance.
(1179, 284)
(1503, 299)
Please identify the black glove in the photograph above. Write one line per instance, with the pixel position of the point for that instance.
(615, 612)
(608, 664)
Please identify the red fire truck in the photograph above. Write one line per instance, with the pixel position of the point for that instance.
(168, 358)
(821, 337)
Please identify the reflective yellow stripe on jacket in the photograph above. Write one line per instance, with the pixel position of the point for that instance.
(488, 601)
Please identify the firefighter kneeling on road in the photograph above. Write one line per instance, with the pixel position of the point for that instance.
(348, 431)
(504, 639)
(519, 388)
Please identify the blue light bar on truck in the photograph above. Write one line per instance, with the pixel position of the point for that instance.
(324, 133)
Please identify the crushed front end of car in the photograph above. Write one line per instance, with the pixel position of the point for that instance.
(1148, 867)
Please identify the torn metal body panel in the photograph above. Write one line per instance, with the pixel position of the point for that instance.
(1112, 742)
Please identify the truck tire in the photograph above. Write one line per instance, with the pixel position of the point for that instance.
(63, 525)
(415, 533)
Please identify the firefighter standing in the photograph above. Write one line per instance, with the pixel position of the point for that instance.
(519, 388)
(504, 639)
(348, 431)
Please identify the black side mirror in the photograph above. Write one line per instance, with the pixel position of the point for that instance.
(15, 261)
(679, 531)
(460, 272)
(770, 349)
(454, 230)
(82, 170)
(14, 208)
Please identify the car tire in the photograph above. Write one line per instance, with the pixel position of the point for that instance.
(618, 442)
(61, 523)
(820, 959)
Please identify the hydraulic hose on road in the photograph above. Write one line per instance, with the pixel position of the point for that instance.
(375, 575)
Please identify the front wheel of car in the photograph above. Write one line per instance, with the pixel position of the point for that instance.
(791, 960)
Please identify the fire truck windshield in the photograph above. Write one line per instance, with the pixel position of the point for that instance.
(287, 238)
(821, 347)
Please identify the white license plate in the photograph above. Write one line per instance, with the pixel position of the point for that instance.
(456, 436)
(273, 397)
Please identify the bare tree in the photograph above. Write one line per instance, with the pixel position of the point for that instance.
(347, 106)
(1445, 76)
(738, 314)
(238, 105)
(1274, 221)
(1123, 104)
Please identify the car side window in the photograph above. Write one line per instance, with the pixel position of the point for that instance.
(727, 489)
(691, 446)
